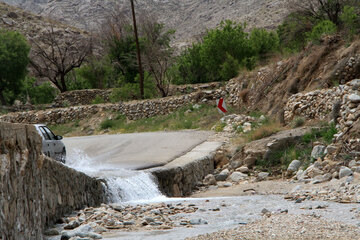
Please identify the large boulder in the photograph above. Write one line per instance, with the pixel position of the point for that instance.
(294, 166)
(318, 151)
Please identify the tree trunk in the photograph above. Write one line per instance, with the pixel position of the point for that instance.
(63, 84)
(2, 98)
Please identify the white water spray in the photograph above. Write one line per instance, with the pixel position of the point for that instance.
(122, 185)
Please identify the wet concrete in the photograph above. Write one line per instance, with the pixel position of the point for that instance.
(136, 150)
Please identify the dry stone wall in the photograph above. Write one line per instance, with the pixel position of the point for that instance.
(81, 97)
(319, 104)
(87, 96)
(341, 102)
(132, 110)
(35, 191)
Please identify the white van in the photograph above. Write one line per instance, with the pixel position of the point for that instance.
(52, 146)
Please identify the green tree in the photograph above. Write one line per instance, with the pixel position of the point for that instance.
(14, 51)
(322, 28)
(157, 52)
(39, 94)
(98, 73)
(229, 38)
(351, 20)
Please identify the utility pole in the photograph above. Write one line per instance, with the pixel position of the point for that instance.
(138, 51)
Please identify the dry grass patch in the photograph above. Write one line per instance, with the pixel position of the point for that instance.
(265, 130)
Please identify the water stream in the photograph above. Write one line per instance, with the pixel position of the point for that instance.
(122, 185)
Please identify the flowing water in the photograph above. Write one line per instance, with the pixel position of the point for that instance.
(122, 185)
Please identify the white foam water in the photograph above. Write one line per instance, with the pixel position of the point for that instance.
(122, 185)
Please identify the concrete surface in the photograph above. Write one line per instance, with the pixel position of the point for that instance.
(136, 150)
(179, 177)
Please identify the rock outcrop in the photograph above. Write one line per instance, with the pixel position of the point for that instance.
(36, 191)
(263, 148)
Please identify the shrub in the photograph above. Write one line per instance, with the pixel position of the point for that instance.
(106, 124)
(350, 20)
(263, 131)
(129, 91)
(323, 28)
(244, 95)
(298, 122)
(42, 94)
(98, 99)
(263, 41)
(229, 68)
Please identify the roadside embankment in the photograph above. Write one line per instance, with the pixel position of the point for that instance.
(179, 177)
(36, 191)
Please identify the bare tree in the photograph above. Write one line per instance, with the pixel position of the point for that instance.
(56, 53)
(320, 8)
(157, 53)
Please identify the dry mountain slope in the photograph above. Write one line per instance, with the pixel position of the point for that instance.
(268, 88)
(189, 17)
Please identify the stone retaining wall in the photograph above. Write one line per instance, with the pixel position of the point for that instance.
(87, 96)
(132, 110)
(35, 191)
(179, 177)
(81, 97)
(319, 104)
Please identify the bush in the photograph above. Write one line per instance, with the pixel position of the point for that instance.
(96, 74)
(263, 41)
(350, 19)
(106, 124)
(222, 51)
(42, 94)
(298, 122)
(98, 99)
(229, 68)
(129, 91)
(323, 28)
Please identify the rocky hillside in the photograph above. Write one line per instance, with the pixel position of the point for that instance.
(189, 17)
(268, 88)
(30, 25)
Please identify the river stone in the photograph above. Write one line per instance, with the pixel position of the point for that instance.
(330, 149)
(355, 82)
(300, 175)
(354, 98)
(227, 184)
(345, 171)
(352, 163)
(209, 180)
(243, 169)
(128, 223)
(149, 219)
(72, 225)
(262, 176)
(223, 175)
(318, 151)
(235, 164)
(294, 166)
(198, 221)
(237, 176)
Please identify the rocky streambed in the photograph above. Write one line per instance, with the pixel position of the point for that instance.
(179, 218)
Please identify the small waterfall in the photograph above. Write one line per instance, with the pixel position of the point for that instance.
(122, 185)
